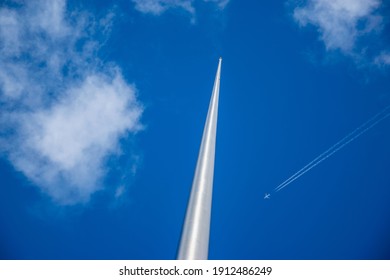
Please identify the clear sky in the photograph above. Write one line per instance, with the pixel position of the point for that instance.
(102, 107)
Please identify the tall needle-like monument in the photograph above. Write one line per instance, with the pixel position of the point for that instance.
(194, 243)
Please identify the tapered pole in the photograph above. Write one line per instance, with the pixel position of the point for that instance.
(194, 243)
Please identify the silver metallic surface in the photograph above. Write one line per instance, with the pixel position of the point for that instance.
(194, 243)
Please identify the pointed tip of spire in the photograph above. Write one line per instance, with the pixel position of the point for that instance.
(220, 58)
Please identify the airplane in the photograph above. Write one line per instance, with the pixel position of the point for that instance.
(267, 196)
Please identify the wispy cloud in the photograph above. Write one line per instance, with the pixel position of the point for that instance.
(343, 25)
(63, 112)
(157, 7)
(220, 3)
(383, 58)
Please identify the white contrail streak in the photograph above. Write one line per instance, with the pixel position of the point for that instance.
(336, 147)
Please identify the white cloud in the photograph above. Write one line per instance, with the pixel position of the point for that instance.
(63, 112)
(64, 146)
(220, 3)
(49, 17)
(157, 7)
(120, 191)
(383, 59)
(341, 23)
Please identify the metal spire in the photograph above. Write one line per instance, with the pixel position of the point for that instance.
(194, 243)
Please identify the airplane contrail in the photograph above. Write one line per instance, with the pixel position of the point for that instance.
(336, 147)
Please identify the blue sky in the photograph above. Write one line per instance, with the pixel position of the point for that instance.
(103, 105)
